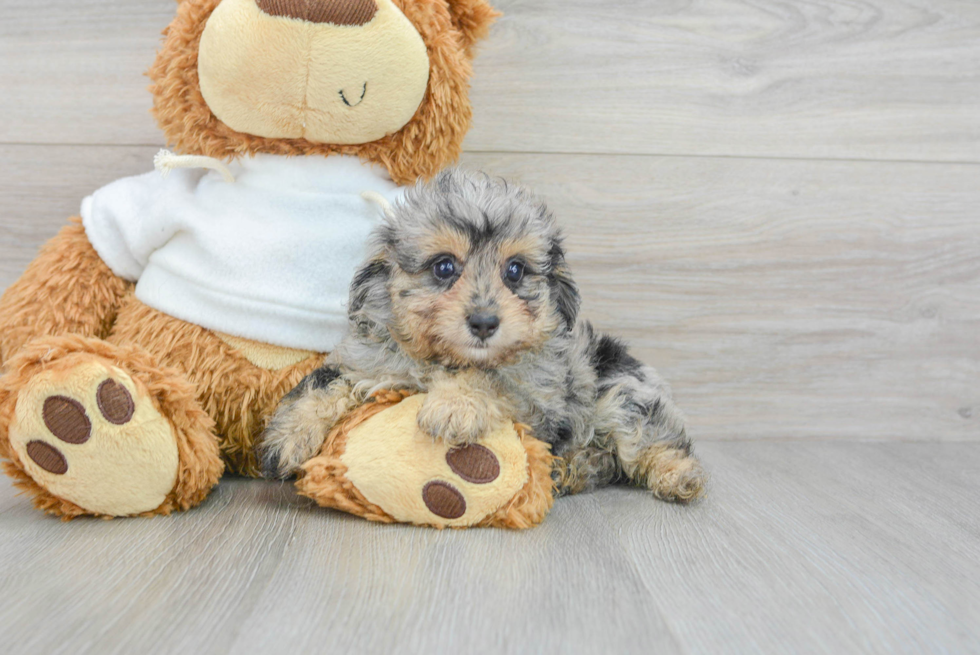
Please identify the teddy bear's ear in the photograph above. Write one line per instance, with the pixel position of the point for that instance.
(473, 19)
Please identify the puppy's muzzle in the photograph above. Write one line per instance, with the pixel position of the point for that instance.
(483, 324)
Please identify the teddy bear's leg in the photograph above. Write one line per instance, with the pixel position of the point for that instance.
(90, 427)
(377, 463)
(237, 382)
(67, 289)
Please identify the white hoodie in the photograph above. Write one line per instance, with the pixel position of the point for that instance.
(268, 257)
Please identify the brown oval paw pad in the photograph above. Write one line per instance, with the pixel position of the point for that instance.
(444, 500)
(47, 457)
(115, 403)
(66, 419)
(474, 463)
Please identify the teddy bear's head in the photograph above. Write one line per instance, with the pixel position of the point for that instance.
(386, 80)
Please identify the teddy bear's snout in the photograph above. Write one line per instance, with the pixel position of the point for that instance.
(336, 12)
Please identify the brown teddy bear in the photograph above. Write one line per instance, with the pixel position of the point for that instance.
(146, 345)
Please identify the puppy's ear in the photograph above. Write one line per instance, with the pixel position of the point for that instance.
(473, 19)
(564, 292)
(369, 306)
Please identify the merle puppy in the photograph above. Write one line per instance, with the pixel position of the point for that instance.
(467, 297)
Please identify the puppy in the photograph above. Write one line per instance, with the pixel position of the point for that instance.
(467, 297)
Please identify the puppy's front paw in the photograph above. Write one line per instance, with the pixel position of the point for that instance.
(302, 422)
(456, 419)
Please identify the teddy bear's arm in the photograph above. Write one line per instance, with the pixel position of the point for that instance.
(67, 289)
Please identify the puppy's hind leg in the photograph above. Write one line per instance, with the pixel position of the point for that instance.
(303, 419)
(651, 444)
(583, 469)
(637, 419)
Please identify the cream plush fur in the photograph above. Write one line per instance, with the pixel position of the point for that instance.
(286, 78)
(266, 356)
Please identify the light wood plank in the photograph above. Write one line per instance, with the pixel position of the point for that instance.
(73, 71)
(135, 586)
(817, 548)
(872, 79)
(565, 587)
(42, 186)
(782, 299)
(800, 547)
(258, 570)
(831, 79)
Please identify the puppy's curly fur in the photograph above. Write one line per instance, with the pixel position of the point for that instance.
(468, 297)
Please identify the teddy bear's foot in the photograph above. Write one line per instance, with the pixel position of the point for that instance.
(380, 465)
(92, 428)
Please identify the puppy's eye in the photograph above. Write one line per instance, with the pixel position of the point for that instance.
(515, 271)
(444, 268)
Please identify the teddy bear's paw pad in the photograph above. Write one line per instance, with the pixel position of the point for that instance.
(444, 500)
(66, 419)
(474, 463)
(115, 402)
(89, 436)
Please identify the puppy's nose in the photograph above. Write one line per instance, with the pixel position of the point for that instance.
(336, 12)
(483, 325)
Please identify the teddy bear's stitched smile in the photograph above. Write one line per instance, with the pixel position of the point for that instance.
(343, 96)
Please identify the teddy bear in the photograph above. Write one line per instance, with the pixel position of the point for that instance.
(146, 345)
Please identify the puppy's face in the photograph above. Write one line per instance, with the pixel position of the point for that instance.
(474, 298)
(475, 273)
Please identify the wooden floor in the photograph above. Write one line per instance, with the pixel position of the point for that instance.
(800, 548)
(777, 203)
